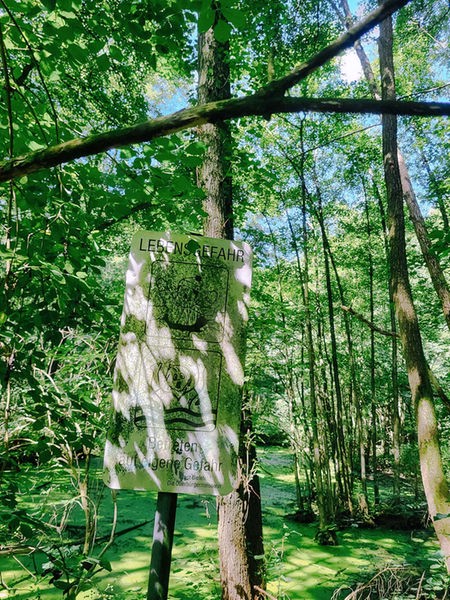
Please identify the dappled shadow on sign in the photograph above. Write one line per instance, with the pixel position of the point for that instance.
(179, 369)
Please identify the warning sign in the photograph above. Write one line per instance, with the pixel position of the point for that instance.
(179, 370)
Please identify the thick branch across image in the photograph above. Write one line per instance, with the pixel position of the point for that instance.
(254, 105)
(268, 100)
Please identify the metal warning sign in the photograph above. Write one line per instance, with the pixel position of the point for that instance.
(179, 371)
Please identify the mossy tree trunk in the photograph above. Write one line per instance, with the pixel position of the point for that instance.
(433, 477)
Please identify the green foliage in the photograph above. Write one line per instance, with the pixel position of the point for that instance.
(72, 68)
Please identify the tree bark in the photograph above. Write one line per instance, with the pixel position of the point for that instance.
(434, 268)
(268, 100)
(239, 513)
(395, 404)
(433, 477)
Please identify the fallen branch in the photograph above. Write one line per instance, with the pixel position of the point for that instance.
(264, 592)
(107, 537)
(388, 580)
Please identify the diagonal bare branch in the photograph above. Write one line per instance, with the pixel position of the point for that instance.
(346, 40)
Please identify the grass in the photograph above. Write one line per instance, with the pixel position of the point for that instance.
(298, 569)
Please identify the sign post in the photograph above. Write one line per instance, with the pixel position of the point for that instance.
(179, 374)
(158, 581)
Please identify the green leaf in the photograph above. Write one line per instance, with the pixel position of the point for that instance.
(116, 53)
(68, 267)
(49, 4)
(68, 14)
(54, 76)
(105, 564)
(192, 246)
(78, 53)
(222, 31)
(62, 585)
(235, 17)
(34, 146)
(205, 18)
(103, 62)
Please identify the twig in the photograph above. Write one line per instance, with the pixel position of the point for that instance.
(3, 583)
(113, 527)
(24, 567)
(14, 550)
(419, 589)
(264, 592)
(372, 326)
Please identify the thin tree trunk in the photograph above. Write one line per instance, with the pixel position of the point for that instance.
(395, 404)
(431, 260)
(438, 192)
(434, 268)
(239, 513)
(433, 477)
(373, 408)
(325, 519)
(340, 421)
(287, 375)
(355, 396)
(325, 535)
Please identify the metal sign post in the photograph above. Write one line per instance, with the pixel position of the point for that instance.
(179, 374)
(158, 581)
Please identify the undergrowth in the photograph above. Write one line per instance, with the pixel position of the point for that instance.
(400, 582)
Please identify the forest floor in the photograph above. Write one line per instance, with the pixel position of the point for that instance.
(298, 569)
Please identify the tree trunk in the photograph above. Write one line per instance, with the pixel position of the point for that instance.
(433, 477)
(395, 404)
(436, 186)
(434, 268)
(325, 534)
(355, 395)
(239, 513)
(343, 471)
(373, 408)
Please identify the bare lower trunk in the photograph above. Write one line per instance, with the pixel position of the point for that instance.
(232, 549)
